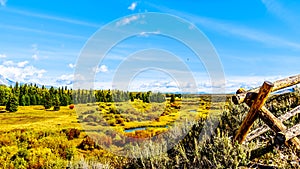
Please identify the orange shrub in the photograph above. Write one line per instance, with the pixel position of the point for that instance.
(71, 106)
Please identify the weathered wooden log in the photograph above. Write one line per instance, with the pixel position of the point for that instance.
(276, 125)
(256, 153)
(257, 165)
(279, 84)
(253, 112)
(289, 134)
(264, 128)
(276, 141)
(280, 139)
(247, 97)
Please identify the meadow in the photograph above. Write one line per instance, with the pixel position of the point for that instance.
(88, 135)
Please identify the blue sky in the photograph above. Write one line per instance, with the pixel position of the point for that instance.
(256, 40)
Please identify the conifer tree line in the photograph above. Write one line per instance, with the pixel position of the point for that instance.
(31, 94)
(84, 96)
(147, 97)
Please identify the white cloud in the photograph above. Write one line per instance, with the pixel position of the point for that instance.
(132, 6)
(71, 65)
(102, 68)
(18, 64)
(234, 29)
(2, 56)
(246, 33)
(35, 50)
(21, 71)
(27, 29)
(67, 77)
(248, 82)
(54, 18)
(22, 64)
(146, 34)
(3, 2)
(127, 20)
(277, 9)
(154, 85)
(65, 80)
(35, 57)
(8, 63)
(204, 84)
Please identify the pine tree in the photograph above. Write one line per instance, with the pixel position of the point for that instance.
(108, 96)
(131, 96)
(12, 104)
(70, 96)
(47, 100)
(32, 99)
(137, 96)
(56, 103)
(3, 95)
(38, 99)
(22, 101)
(65, 100)
(27, 100)
(172, 100)
(147, 97)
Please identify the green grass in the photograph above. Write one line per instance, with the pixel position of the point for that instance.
(35, 117)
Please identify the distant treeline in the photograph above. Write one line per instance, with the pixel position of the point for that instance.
(32, 94)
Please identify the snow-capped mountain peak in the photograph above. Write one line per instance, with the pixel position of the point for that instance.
(6, 81)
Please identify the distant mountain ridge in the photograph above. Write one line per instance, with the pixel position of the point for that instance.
(6, 81)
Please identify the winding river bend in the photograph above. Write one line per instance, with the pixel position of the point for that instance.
(141, 128)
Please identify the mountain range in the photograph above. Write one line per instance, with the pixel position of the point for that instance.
(6, 81)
